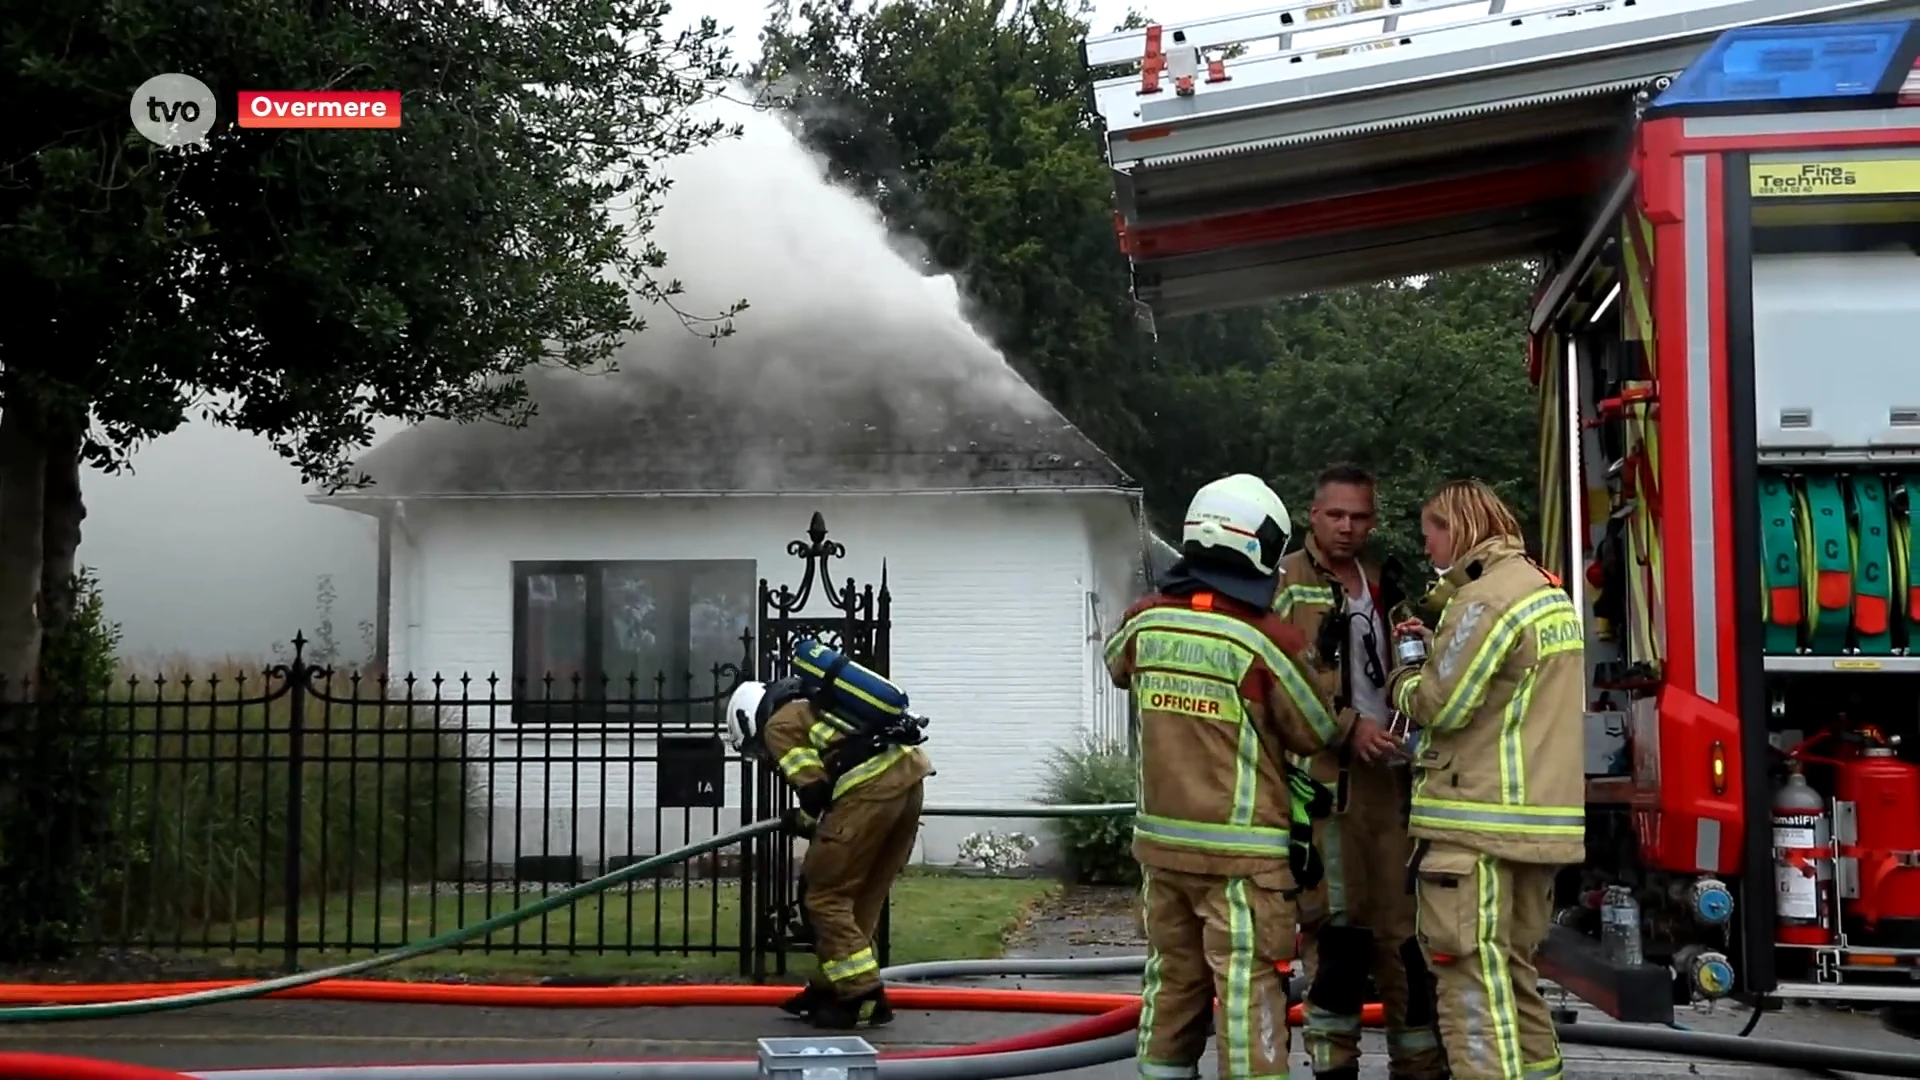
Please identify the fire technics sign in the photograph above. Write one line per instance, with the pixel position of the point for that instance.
(1814, 178)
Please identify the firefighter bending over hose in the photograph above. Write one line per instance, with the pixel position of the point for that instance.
(1499, 788)
(860, 792)
(1360, 920)
(1223, 827)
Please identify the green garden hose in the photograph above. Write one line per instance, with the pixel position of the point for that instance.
(110, 1010)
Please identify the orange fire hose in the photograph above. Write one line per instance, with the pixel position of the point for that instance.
(496, 995)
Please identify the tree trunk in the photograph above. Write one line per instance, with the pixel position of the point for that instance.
(62, 511)
(55, 829)
(23, 483)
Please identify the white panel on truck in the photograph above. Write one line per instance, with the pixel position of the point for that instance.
(1836, 351)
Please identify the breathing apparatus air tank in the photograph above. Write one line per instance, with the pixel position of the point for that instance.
(856, 693)
(1802, 863)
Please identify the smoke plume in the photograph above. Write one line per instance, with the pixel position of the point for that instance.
(847, 352)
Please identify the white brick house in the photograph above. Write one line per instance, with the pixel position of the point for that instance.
(1010, 542)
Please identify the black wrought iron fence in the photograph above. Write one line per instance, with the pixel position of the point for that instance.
(298, 810)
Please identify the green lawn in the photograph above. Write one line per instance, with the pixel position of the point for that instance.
(934, 917)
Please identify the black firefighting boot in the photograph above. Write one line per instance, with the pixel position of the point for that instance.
(810, 997)
(868, 1010)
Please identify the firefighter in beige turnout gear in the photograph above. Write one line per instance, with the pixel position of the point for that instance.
(1221, 699)
(860, 807)
(1499, 789)
(1360, 920)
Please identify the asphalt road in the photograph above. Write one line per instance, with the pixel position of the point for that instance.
(292, 1033)
(267, 1034)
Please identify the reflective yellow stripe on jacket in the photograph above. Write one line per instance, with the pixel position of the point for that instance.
(1247, 638)
(1550, 614)
(826, 731)
(1287, 598)
(1172, 657)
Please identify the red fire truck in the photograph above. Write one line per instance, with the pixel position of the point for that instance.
(1726, 340)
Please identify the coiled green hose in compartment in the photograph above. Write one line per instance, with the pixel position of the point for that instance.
(1836, 563)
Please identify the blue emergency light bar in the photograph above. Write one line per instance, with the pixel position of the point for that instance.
(1840, 63)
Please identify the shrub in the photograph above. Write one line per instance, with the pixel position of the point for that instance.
(55, 851)
(1098, 850)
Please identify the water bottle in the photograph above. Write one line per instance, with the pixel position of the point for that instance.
(1410, 649)
(1620, 925)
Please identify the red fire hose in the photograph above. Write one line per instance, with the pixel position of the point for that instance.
(54, 1067)
(493, 995)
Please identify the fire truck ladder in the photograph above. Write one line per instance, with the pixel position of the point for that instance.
(1409, 136)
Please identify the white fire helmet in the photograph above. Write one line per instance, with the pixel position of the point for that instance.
(743, 714)
(1237, 516)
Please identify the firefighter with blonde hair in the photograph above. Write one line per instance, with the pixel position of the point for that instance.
(1499, 792)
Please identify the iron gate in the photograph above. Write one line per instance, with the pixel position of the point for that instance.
(857, 620)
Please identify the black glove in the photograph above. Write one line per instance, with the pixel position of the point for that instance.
(1311, 800)
(797, 822)
(816, 797)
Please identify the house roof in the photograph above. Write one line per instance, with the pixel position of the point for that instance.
(809, 409)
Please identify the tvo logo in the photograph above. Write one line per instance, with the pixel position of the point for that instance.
(174, 110)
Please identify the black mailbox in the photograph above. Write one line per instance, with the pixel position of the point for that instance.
(691, 771)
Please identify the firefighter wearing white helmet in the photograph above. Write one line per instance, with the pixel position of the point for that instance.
(1224, 824)
(860, 796)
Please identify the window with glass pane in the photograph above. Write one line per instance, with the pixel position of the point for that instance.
(650, 641)
(553, 633)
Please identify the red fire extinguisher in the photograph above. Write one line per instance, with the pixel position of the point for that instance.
(1885, 793)
(1802, 866)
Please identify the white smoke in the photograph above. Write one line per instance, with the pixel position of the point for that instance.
(209, 546)
(832, 300)
(846, 348)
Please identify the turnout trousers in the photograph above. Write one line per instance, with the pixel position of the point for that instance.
(1360, 921)
(859, 848)
(1213, 944)
(1481, 919)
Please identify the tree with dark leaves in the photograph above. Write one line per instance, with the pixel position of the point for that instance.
(301, 283)
(967, 123)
